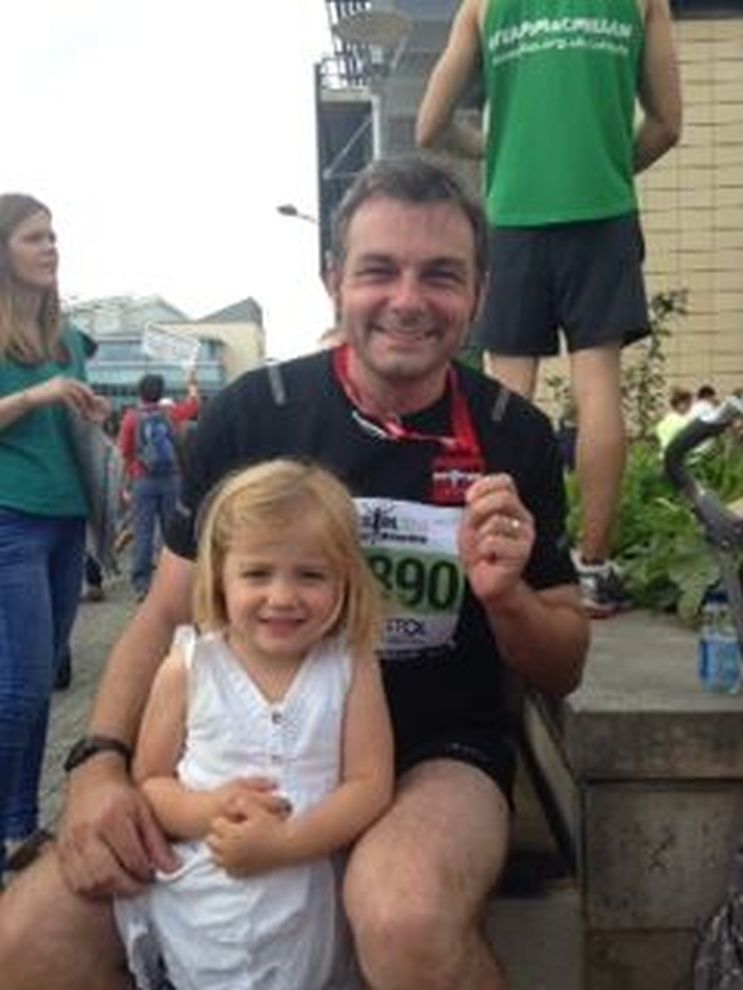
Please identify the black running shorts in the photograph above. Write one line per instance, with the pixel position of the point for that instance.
(491, 751)
(584, 279)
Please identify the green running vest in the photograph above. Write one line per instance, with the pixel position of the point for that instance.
(561, 79)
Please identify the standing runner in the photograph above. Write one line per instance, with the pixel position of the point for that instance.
(561, 80)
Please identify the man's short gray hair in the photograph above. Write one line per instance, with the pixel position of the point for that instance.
(412, 179)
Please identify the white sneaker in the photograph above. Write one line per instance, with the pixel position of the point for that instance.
(602, 588)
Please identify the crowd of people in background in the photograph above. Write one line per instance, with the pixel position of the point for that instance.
(151, 439)
(148, 496)
(685, 406)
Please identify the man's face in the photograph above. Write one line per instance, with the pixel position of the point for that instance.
(407, 291)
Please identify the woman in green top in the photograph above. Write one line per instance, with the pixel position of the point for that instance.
(42, 503)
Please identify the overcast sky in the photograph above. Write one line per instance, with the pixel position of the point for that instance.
(163, 134)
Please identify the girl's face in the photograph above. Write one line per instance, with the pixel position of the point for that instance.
(32, 252)
(282, 593)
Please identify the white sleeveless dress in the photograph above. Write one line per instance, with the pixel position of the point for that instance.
(282, 930)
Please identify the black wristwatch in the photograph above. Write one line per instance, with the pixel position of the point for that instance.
(89, 746)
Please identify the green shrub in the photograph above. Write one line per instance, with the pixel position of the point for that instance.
(644, 372)
(660, 545)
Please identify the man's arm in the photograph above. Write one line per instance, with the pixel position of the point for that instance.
(145, 642)
(109, 841)
(542, 634)
(659, 92)
(435, 125)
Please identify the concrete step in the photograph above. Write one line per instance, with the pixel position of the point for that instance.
(538, 939)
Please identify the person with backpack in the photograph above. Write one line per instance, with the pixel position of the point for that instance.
(149, 443)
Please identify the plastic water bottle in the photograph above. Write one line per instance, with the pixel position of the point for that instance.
(719, 650)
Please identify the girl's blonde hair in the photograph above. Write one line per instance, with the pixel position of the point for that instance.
(14, 209)
(271, 497)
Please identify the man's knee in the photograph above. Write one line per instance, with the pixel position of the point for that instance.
(52, 938)
(595, 375)
(405, 942)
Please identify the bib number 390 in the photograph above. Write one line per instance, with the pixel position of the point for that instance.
(426, 585)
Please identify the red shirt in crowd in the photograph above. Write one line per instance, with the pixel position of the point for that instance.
(178, 413)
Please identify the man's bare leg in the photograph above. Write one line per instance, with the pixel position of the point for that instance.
(417, 882)
(601, 445)
(519, 374)
(52, 939)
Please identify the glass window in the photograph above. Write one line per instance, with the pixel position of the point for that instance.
(119, 350)
(709, 9)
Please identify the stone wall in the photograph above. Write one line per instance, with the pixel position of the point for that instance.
(692, 208)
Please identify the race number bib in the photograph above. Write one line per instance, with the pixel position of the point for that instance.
(412, 550)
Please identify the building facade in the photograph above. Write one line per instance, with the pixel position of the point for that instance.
(231, 340)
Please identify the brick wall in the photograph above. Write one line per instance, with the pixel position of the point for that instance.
(692, 208)
(692, 212)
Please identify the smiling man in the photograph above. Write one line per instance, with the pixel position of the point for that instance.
(459, 490)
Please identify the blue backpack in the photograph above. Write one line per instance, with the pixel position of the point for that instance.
(157, 450)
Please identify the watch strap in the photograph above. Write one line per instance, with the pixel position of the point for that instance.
(89, 746)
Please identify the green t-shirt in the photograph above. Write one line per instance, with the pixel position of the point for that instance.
(560, 82)
(38, 474)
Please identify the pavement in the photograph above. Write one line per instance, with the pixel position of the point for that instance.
(97, 627)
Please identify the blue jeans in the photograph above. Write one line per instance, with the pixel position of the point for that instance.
(153, 502)
(41, 568)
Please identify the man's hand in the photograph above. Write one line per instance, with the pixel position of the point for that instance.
(496, 537)
(109, 842)
(253, 846)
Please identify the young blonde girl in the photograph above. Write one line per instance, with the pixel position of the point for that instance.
(265, 745)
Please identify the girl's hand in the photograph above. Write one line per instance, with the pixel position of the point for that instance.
(74, 394)
(496, 536)
(247, 797)
(251, 846)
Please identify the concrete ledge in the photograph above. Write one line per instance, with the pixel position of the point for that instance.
(641, 711)
(642, 774)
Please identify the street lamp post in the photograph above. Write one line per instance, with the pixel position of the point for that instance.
(290, 210)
